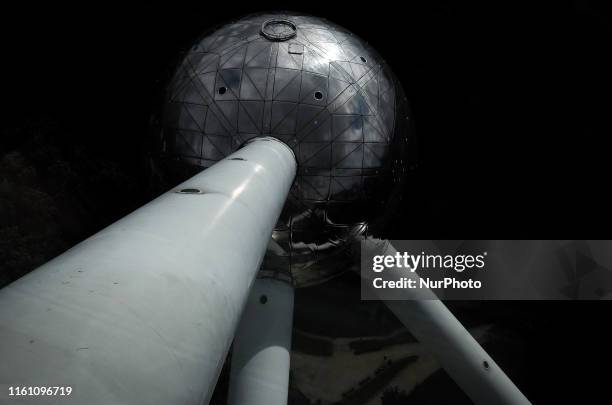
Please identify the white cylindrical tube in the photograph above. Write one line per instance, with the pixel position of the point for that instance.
(430, 321)
(144, 311)
(260, 357)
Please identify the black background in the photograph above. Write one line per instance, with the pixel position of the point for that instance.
(510, 103)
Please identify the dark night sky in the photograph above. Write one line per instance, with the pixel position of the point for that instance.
(510, 101)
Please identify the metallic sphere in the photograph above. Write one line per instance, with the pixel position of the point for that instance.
(321, 90)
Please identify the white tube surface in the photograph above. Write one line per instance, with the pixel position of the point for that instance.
(430, 321)
(144, 311)
(261, 352)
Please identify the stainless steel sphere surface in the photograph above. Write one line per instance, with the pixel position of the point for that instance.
(320, 89)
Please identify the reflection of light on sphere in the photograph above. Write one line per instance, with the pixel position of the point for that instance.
(318, 88)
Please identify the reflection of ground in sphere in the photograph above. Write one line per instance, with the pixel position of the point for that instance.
(319, 89)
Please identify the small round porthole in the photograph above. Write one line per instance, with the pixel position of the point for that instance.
(190, 191)
(222, 90)
(318, 95)
(486, 365)
(263, 299)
